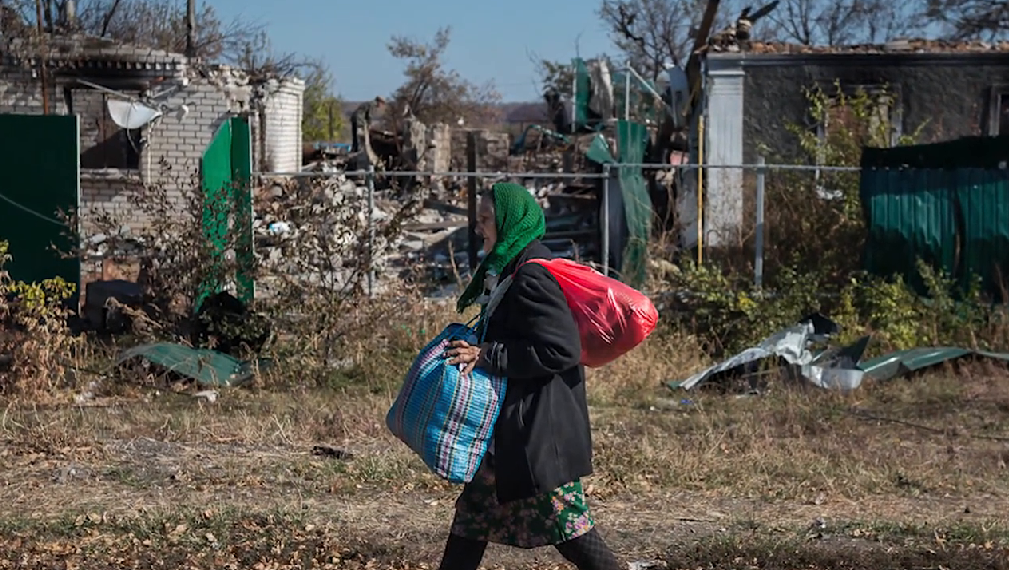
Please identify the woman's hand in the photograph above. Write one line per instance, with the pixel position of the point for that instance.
(462, 352)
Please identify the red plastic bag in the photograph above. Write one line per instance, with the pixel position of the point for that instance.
(612, 317)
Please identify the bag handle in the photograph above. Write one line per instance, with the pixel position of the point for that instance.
(492, 303)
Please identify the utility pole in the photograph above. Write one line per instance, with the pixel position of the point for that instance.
(191, 28)
(42, 57)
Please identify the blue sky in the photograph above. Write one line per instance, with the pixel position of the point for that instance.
(490, 40)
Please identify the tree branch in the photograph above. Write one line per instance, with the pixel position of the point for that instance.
(109, 15)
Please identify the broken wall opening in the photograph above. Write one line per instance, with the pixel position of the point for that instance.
(104, 144)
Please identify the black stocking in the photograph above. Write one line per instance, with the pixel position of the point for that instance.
(462, 553)
(589, 552)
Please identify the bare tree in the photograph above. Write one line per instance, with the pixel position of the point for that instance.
(158, 24)
(161, 24)
(970, 19)
(652, 33)
(258, 58)
(17, 19)
(839, 22)
(433, 93)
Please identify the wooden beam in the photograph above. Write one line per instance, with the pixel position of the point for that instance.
(436, 226)
(445, 208)
(694, 62)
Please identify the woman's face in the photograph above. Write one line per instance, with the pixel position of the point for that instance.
(486, 224)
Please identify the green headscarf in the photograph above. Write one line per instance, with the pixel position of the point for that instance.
(519, 221)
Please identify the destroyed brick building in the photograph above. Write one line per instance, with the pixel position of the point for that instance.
(754, 97)
(81, 74)
(948, 89)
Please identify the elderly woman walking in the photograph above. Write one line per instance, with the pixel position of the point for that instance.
(528, 491)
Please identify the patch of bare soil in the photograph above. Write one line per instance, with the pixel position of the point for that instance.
(792, 480)
(123, 490)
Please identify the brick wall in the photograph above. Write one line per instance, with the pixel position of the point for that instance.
(943, 97)
(281, 129)
(212, 94)
(492, 149)
(180, 140)
(439, 152)
(21, 94)
(107, 192)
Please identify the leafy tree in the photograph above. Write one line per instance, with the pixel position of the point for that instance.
(322, 118)
(433, 93)
(555, 76)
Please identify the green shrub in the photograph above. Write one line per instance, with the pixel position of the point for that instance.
(35, 341)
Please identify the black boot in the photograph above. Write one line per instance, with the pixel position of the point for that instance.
(589, 552)
(462, 553)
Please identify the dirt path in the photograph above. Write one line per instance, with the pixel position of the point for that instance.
(132, 478)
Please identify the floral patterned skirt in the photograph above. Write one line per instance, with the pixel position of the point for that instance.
(547, 519)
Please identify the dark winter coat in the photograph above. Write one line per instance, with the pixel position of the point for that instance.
(542, 438)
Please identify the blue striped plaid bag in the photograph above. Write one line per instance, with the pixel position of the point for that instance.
(443, 415)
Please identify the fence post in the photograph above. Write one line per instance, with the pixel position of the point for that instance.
(627, 92)
(574, 99)
(700, 189)
(605, 220)
(370, 179)
(471, 205)
(758, 262)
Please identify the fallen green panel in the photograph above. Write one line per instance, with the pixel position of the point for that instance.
(912, 360)
(206, 367)
(40, 158)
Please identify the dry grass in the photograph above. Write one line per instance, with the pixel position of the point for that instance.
(713, 478)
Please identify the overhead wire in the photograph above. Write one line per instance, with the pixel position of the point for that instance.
(28, 210)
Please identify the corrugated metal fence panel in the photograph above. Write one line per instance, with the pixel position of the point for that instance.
(241, 180)
(631, 141)
(984, 201)
(216, 174)
(39, 158)
(910, 214)
(227, 187)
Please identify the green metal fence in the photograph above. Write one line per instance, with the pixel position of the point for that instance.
(39, 156)
(947, 204)
(227, 215)
(632, 139)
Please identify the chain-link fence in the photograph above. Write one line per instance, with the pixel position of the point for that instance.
(746, 215)
(576, 216)
(804, 204)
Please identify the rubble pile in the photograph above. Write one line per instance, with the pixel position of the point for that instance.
(306, 227)
(431, 244)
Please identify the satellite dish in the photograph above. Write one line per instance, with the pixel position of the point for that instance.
(131, 114)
